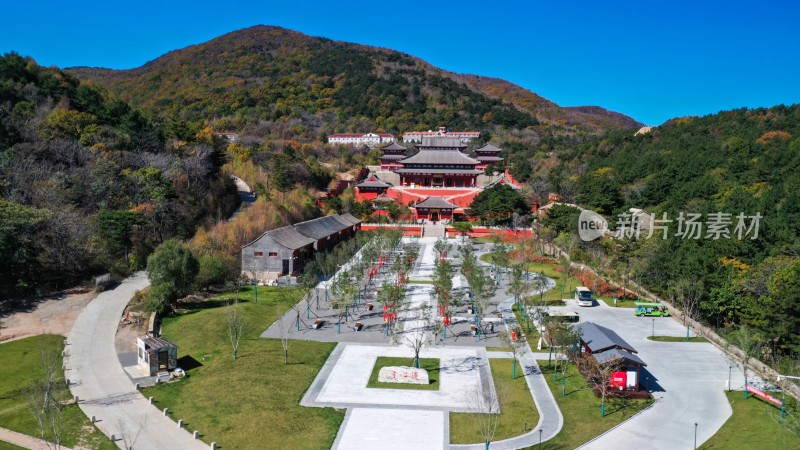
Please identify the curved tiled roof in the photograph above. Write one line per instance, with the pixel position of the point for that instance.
(383, 198)
(435, 202)
(441, 142)
(423, 170)
(489, 148)
(373, 181)
(450, 157)
(488, 158)
(394, 146)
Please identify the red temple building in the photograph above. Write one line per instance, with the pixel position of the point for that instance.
(435, 209)
(392, 154)
(371, 187)
(487, 155)
(440, 162)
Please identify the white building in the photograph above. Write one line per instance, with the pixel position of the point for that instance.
(370, 139)
(232, 137)
(464, 136)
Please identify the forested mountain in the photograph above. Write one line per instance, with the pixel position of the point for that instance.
(741, 161)
(260, 77)
(88, 184)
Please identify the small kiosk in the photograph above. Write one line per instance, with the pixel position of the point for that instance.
(157, 354)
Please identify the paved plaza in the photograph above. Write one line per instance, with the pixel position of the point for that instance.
(386, 418)
(687, 379)
(463, 371)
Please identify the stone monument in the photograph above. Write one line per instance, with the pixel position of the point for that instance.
(401, 374)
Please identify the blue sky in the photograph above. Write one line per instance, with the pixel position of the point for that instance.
(650, 60)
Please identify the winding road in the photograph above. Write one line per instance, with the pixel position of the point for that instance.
(103, 389)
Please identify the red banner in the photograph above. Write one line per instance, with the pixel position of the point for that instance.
(764, 395)
(618, 379)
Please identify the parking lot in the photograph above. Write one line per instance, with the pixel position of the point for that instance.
(688, 380)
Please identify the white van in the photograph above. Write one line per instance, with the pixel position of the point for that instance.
(584, 296)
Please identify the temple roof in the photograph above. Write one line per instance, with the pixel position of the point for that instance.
(441, 142)
(488, 148)
(424, 170)
(351, 218)
(287, 237)
(373, 181)
(435, 202)
(448, 157)
(320, 228)
(392, 157)
(383, 198)
(394, 146)
(488, 158)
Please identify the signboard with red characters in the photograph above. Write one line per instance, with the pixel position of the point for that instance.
(618, 379)
(759, 393)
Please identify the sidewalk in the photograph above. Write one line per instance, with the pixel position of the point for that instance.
(550, 419)
(25, 441)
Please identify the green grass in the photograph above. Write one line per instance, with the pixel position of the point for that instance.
(677, 339)
(531, 333)
(754, 424)
(6, 446)
(581, 409)
(420, 282)
(621, 303)
(429, 364)
(498, 349)
(21, 366)
(518, 413)
(254, 401)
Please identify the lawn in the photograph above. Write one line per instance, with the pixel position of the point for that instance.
(518, 413)
(429, 364)
(754, 424)
(420, 282)
(22, 364)
(621, 303)
(581, 410)
(7, 446)
(253, 401)
(555, 296)
(677, 339)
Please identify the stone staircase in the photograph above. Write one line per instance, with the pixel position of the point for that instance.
(433, 230)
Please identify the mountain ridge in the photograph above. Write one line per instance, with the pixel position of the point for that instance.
(262, 64)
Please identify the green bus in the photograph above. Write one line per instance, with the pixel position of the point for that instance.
(651, 309)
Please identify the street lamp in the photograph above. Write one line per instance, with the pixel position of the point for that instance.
(540, 437)
(695, 435)
(653, 334)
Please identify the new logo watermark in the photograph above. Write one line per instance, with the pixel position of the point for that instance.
(591, 225)
(638, 225)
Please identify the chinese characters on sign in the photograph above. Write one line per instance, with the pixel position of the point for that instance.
(717, 225)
